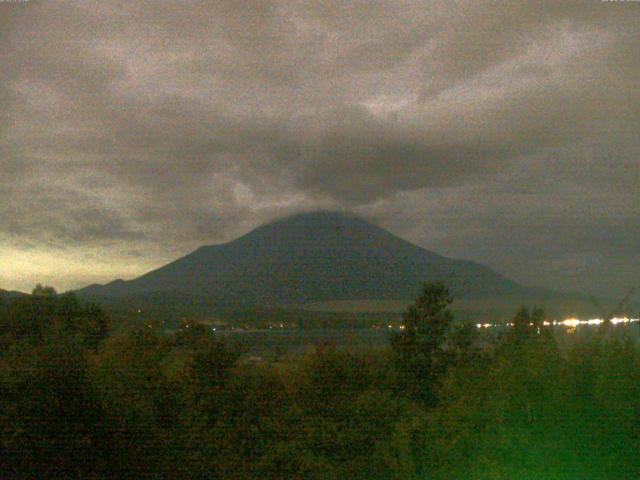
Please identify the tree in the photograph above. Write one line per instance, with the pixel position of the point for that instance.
(43, 291)
(50, 417)
(141, 406)
(527, 323)
(420, 349)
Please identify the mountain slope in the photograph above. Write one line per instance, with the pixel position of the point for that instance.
(10, 294)
(312, 257)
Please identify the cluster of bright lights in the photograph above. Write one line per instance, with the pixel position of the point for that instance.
(569, 322)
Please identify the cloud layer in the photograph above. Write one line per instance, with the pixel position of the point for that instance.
(504, 132)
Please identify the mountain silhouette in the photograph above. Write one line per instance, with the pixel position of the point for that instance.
(5, 294)
(312, 257)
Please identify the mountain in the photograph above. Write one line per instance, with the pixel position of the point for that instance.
(313, 258)
(10, 294)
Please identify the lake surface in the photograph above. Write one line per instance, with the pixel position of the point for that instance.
(268, 343)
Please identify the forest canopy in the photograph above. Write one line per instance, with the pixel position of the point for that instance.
(83, 397)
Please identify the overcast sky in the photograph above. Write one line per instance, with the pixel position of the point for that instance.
(504, 132)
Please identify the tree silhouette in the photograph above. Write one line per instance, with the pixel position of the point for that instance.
(420, 349)
(43, 291)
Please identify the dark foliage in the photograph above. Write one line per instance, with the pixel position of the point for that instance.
(76, 402)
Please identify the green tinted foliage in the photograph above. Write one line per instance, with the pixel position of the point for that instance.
(528, 323)
(49, 408)
(421, 349)
(32, 318)
(137, 397)
(43, 291)
(441, 404)
(208, 368)
(531, 411)
(51, 421)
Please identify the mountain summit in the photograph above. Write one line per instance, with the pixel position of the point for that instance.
(311, 257)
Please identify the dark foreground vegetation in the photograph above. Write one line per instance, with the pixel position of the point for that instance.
(80, 398)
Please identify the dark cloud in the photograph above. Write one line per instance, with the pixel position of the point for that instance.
(505, 132)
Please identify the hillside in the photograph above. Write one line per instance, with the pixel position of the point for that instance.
(316, 257)
(10, 294)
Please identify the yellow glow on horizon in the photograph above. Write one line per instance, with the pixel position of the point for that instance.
(64, 270)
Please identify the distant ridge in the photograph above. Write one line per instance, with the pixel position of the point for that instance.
(313, 257)
(11, 293)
